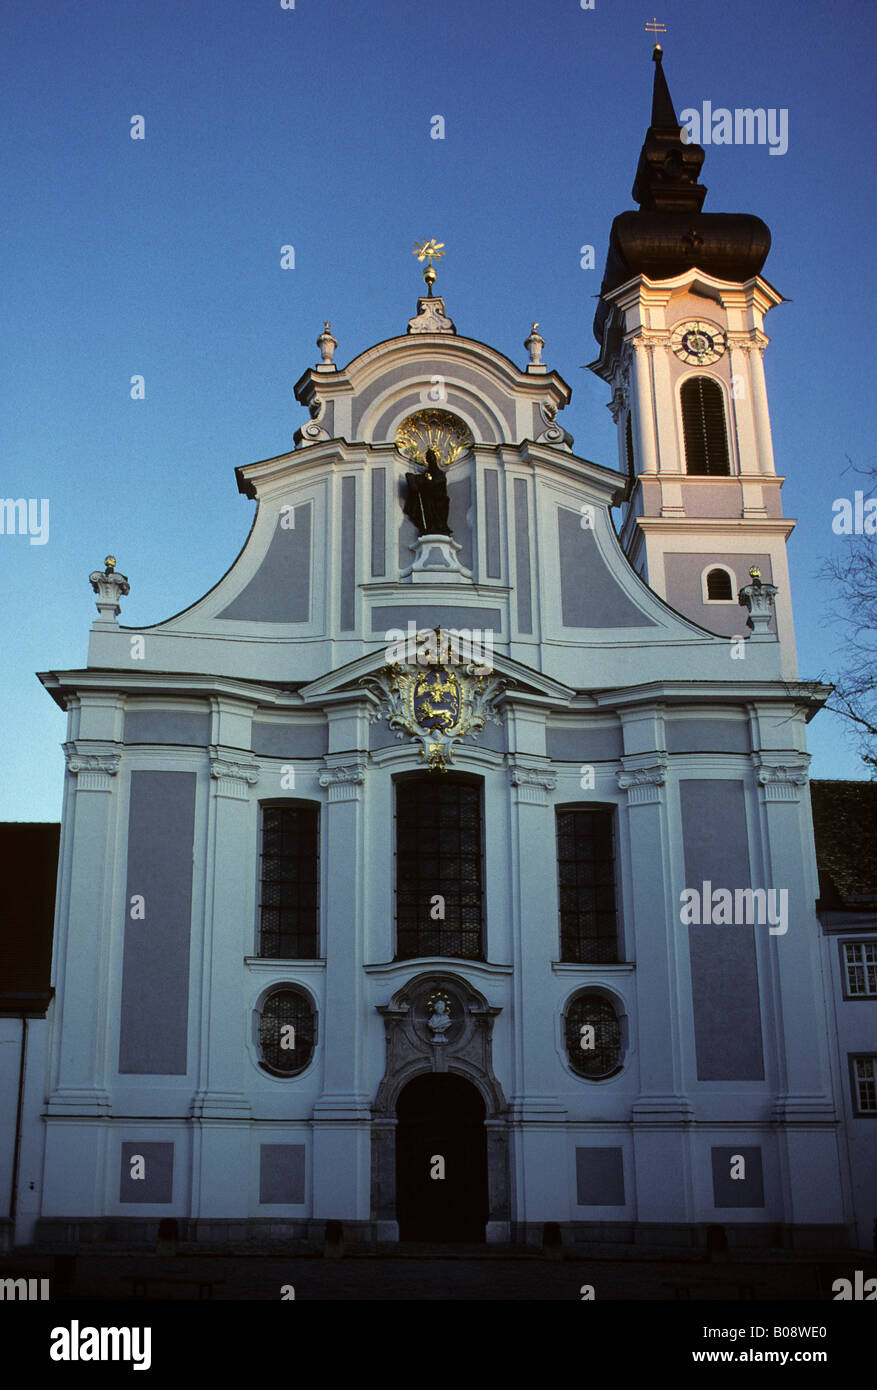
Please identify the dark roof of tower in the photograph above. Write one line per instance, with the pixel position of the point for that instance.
(670, 234)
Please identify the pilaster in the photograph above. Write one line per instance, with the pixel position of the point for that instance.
(803, 1108)
(662, 1111)
(85, 916)
(341, 1135)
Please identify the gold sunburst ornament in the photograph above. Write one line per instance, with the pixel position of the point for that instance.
(439, 430)
(429, 251)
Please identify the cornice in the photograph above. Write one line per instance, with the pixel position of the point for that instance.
(778, 526)
(804, 693)
(66, 685)
(362, 368)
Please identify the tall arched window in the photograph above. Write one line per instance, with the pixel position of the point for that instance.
(586, 885)
(704, 429)
(628, 444)
(289, 900)
(438, 867)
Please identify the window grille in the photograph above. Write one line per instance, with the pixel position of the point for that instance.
(592, 1011)
(438, 856)
(290, 882)
(586, 885)
(287, 1031)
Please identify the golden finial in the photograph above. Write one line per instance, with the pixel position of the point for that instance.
(429, 251)
(755, 573)
(110, 562)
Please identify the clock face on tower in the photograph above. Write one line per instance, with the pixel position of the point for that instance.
(698, 342)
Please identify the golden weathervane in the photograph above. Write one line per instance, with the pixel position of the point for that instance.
(429, 251)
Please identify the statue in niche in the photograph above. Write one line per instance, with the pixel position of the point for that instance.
(426, 501)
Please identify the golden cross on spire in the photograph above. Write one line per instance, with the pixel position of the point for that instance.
(429, 251)
(655, 27)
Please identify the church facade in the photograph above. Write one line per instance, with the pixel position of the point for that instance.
(447, 870)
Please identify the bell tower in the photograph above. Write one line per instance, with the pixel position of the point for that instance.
(680, 326)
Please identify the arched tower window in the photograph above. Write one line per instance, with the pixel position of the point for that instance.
(704, 428)
(718, 586)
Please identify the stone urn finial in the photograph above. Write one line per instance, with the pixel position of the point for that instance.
(109, 587)
(758, 597)
(327, 345)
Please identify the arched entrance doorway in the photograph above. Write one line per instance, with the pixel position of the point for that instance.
(440, 1116)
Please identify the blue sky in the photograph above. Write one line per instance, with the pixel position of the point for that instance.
(311, 127)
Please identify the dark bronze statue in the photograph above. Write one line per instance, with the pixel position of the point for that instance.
(426, 501)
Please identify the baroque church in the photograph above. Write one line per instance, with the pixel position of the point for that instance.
(447, 870)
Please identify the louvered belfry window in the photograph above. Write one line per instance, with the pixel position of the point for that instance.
(586, 885)
(718, 585)
(290, 882)
(438, 868)
(628, 444)
(704, 428)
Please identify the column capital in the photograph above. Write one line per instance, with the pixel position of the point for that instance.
(233, 774)
(643, 783)
(532, 783)
(344, 780)
(780, 781)
(92, 769)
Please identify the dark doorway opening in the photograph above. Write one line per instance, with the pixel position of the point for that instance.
(441, 1117)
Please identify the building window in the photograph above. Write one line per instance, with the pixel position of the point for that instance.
(628, 445)
(860, 969)
(718, 587)
(438, 868)
(703, 427)
(863, 1074)
(586, 882)
(290, 882)
(593, 1036)
(287, 1031)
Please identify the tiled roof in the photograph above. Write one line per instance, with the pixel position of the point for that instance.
(845, 826)
(28, 867)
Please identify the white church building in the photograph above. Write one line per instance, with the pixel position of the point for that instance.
(447, 870)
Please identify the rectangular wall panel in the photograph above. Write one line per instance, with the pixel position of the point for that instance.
(724, 974)
(379, 522)
(155, 969)
(348, 554)
(600, 1177)
(738, 1180)
(522, 557)
(281, 1173)
(491, 523)
(147, 1172)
